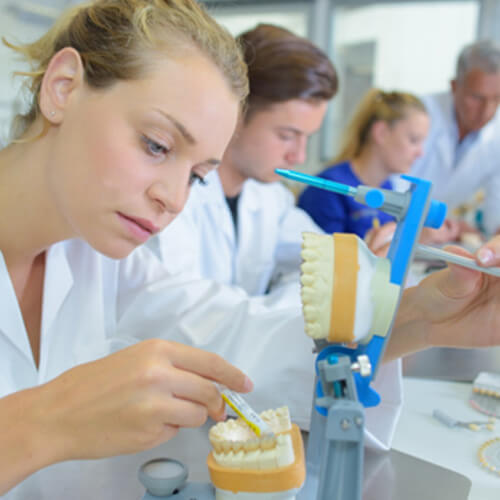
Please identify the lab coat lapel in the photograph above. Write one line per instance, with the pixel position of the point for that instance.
(219, 198)
(11, 320)
(247, 208)
(58, 281)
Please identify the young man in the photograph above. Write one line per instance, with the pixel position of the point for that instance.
(242, 228)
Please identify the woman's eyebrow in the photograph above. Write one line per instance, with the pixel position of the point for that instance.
(188, 136)
(179, 126)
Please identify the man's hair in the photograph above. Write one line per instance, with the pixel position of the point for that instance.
(483, 55)
(283, 66)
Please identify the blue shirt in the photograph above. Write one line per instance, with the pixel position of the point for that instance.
(336, 213)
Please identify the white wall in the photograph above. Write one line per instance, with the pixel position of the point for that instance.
(295, 19)
(416, 44)
(14, 29)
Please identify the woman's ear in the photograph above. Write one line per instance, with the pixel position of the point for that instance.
(62, 79)
(379, 131)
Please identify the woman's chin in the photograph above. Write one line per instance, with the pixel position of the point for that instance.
(116, 250)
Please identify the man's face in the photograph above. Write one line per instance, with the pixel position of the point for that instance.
(274, 138)
(476, 97)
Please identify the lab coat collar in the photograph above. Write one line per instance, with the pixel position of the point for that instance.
(248, 193)
(58, 281)
(11, 321)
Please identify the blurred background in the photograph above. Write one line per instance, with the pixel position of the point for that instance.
(394, 44)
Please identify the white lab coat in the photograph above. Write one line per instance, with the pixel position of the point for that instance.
(93, 305)
(457, 178)
(264, 255)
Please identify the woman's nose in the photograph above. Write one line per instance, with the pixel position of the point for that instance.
(170, 194)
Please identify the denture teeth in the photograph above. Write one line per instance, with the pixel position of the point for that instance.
(268, 442)
(237, 445)
(317, 283)
(307, 279)
(251, 445)
(309, 268)
(226, 446)
(309, 255)
(284, 454)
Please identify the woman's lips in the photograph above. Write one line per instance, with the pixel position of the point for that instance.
(140, 229)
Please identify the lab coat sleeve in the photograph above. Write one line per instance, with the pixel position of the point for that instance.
(294, 222)
(267, 343)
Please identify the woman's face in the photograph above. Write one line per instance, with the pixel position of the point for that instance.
(403, 142)
(123, 158)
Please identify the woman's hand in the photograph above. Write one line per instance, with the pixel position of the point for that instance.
(379, 239)
(456, 307)
(448, 232)
(129, 401)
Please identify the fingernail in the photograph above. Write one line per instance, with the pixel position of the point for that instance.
(485, 256)
(248, 385)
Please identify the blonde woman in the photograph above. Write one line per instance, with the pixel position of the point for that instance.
(384, 137)
(120, 125)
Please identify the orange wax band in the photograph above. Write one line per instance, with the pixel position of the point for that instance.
(345, 278)
(262, 481)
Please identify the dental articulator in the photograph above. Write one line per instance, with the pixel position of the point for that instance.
(350, 298)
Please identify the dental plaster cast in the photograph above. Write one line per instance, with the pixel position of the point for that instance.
(346, 291)
(244, 466)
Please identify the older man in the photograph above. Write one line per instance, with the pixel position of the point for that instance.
(462, 152)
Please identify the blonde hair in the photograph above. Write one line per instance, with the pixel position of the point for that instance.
(113, 36)
(375, 106)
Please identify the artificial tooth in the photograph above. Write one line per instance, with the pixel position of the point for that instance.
(285, 455)
(268, 442)
(268, 460)
(308, 254)
(217, 446)
(237, 446)
(308, 267)
(251, 445)
(307, 279)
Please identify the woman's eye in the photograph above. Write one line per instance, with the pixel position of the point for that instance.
(196, 178)
(154, 148)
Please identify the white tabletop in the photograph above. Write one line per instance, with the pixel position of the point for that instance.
(420, 435)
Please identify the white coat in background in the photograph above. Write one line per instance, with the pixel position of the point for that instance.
(459, 171)
(94, 305)
(264, 254)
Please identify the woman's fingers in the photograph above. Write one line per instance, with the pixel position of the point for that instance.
(378, 239)
(210, 366)
(489, 253)
(460, 281)
(192, 389)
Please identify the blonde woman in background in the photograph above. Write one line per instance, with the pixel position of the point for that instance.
(384, 137)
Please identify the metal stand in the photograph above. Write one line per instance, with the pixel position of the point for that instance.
(335, 446)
